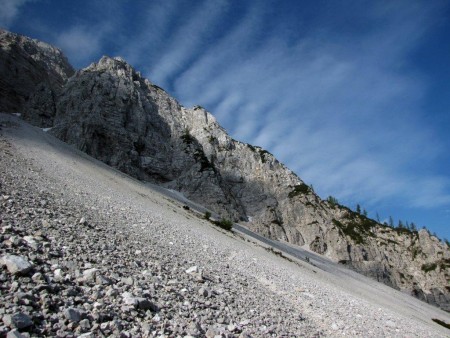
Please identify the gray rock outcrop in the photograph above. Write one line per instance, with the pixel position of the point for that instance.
(31, 75)
(111, 112)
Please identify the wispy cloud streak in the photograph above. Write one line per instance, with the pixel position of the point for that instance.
(9, 11)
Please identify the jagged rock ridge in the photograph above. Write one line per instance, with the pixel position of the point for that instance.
(31, 75)
(111, 112)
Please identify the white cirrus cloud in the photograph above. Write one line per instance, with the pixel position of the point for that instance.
(82, 43)
(9, 11)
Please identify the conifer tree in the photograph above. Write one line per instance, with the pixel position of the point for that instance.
(391, 222)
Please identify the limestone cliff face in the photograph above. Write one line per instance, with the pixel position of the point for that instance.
(31, 75)
(111, 112)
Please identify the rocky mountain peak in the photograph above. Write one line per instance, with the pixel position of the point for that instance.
(117, 65)
(48, 57)
(32, 74)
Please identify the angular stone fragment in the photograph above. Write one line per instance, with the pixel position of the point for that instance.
(128, 280)
(129, 299)
(192, 269)
(38, 277)
(31, 242)
(18, 320)
(102, 280)
(57, 275)
(14, 334)
(89, 275)
(72, 314)
(16, 264)
(84, 324)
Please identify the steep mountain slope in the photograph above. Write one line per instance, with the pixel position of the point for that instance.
(112, 257)
(111, 112)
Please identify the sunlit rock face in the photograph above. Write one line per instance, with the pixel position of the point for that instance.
(111, 112)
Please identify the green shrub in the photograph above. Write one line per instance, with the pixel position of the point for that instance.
(212, 139)
(404, 231)
(352, 230)
(299, 189)
(263, 153)
(415, 252)
(333, 201)
(427, 267)
(252, 148)
(207, 215)
(224, 224)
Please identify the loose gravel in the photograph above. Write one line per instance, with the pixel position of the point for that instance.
(89, 252)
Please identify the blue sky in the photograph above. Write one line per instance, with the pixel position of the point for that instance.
(351, 95)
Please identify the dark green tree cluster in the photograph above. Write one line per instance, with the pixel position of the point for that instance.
(332, 200)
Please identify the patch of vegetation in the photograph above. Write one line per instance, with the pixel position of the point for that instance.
(444, 263)
(337, 223)
(252, 148)
(299, 189)
(441, 322)
(205, 164)
(263, 153)
(157, 87)
(198, 107)
(207, 215)
(278, 253)
(415, 252)
(277, 222)
(212, 139)
(367, 223)
(332, 201)
(404, 231)
(309, 204)
(356, 231)
(392, 241)
(427, 267)
(187, 138)
(351, 231)
(224, 224)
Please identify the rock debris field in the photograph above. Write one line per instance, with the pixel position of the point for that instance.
(88, 252)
